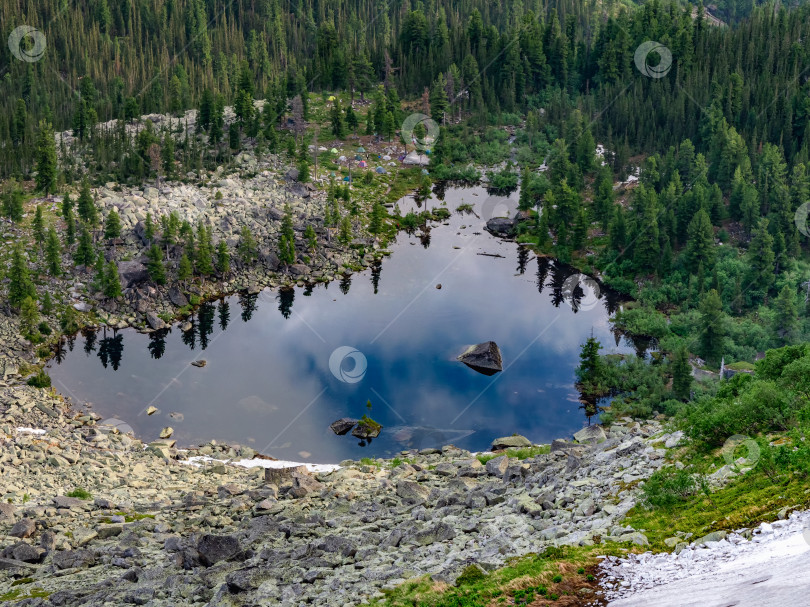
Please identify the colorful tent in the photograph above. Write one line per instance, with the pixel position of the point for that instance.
(381, 170)
(425, 172)
(346, 178)
(358, 157)
(331, 97)
(334, 151)
(363, 164)
(361, 150)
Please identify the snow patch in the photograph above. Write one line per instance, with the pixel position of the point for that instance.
(734, 571)
(37, 431)
(198, 460)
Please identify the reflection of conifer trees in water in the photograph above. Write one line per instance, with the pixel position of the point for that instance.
(103, 350)
(206, 323)
(157, 344)
(116, 350)
(248, 303)
(59, 352)
(523, 258)
(71, 341)
(376, 270)
(285, 299)
(89, 341)
(542, 273)
(224, 313)
(308, 289)
(440, 189)
(345, 284)
(558, 275)
(190, 337)
(110, 350)
(424, 237)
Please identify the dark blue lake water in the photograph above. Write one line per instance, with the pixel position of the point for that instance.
(268, 384)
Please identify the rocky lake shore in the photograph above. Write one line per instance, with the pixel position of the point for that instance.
(153, 524)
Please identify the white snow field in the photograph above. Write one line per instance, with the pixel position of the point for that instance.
(770, 570)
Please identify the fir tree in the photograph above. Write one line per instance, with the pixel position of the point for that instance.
(84, 255)
(713, 328)
(46, 159)
(112, 281)
(312, 239)
(86, 206)
(787, 315)
(112, 227)
(53, 253)
(184, 269)
(13, 202)
(157, 271)
(247, 248)
(19, 285)
(223, 258)
(286, 243)
(38, 227)
(681, 375)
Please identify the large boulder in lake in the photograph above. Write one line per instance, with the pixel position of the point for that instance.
(501, 226)
(343, 425)
(484, 358)
(516, 441)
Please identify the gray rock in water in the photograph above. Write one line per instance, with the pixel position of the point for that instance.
(484, 358)
(510, 442)
(343, 425)
(132, 272)
(501, 226)
(154, 321)
(590, 435)
(177, 298)
(215, 548)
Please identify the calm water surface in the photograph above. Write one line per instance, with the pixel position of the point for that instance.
(268, 384)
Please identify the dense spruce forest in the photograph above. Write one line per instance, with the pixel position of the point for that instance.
(105, 59)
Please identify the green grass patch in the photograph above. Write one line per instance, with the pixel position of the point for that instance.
(524, 579)
(745, 502)
(80, 493)
(517, 452)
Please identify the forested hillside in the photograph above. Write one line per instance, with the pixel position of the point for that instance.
(104, 60)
